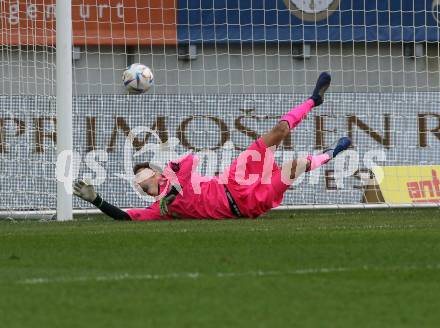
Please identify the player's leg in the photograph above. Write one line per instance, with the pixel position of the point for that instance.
(291, 119)
(294, 169)
(315, 161)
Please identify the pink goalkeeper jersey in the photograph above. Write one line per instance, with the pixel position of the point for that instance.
(205, 197)
(201, 198)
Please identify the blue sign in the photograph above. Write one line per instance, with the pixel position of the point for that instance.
(308, 20)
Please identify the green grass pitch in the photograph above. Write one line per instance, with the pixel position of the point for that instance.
(353, 268)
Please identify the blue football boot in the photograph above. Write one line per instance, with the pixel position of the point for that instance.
(342, 144)
(321, 87)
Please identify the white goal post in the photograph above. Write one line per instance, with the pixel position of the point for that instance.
(64, 109)
(224, 72)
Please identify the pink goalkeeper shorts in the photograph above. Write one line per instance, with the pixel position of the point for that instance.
(254, 180)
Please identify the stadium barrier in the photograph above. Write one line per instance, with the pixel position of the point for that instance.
(387, 129)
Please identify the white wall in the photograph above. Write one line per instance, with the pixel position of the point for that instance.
(238, 68)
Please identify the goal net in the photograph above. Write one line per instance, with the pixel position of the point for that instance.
(224, 72)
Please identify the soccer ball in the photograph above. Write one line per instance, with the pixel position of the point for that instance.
(138, 78)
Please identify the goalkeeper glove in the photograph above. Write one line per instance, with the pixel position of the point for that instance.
(168, 199)
(84, 191)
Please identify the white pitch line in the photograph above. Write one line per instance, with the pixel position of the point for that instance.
(198, 275)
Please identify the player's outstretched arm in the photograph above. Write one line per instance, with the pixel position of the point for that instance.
(87, 192)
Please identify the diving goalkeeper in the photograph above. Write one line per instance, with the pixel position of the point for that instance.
(252, 185)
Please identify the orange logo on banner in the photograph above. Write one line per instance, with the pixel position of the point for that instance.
(105, 22)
